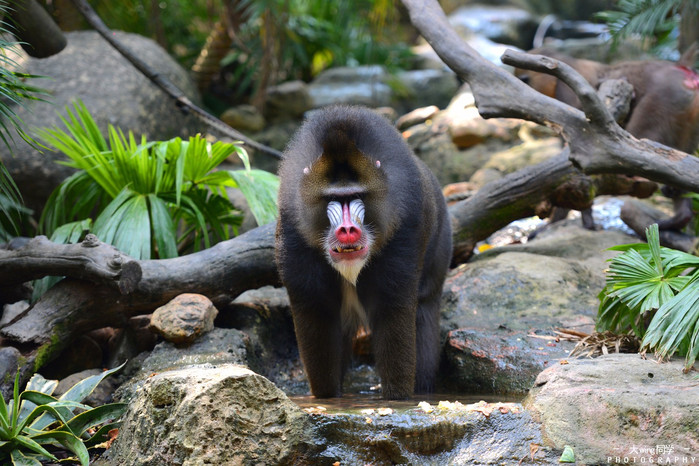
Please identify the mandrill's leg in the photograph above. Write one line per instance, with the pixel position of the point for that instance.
(427, 339)
(319, 337)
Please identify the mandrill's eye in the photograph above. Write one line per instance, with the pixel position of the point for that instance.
(356, 209)
(335, 213)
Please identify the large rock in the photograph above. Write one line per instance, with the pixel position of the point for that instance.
(223, 414)
(499, 310)
(420, 88)
(287, 101)
(362, 85)
(373, 86)
(619, 409)
(112, 90)
(219, 346)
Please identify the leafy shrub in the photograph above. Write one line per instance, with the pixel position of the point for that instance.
(298, 39)
(653, 292)
(33, 422)
(14, 91)
(149, 199)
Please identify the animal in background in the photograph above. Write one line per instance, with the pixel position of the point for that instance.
(664, 107)
(363, 240)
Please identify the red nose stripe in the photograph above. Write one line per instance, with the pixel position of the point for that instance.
(348, 232)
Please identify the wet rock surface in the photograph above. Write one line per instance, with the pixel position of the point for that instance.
(473, 434)
(501, 361)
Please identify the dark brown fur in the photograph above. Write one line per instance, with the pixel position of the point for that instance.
(664, 108)
(400, 286)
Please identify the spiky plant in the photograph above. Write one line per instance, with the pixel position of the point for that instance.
(653, 292)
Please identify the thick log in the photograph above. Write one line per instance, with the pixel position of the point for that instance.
(91, 260)
(534, 190)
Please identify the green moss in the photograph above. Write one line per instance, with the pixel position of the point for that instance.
(46, 352)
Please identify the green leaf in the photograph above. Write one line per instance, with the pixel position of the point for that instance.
(76, 394)
(30, 444)
(163, 227)
(568, 455)
(19, 459)
(95, 416)
(260, 189)
(125, 224)
(69, 441)
(674, 323)
(31, 400)
(82, 389)
(39, 411)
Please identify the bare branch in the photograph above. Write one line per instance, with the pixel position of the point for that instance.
(597, 143)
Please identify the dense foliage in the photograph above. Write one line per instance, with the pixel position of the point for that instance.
(273, 40)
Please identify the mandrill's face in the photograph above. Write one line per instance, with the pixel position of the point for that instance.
(347, 242)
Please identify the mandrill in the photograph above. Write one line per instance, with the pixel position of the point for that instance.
(363, 240)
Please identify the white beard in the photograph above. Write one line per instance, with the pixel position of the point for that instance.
(350, 269)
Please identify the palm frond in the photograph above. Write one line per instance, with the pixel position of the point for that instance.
(650, 283)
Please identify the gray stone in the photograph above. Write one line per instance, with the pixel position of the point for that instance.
(522, 155)
(536, 285)
(264, 315)
(9, 363)
(245, 118)
(220, 346)
(222, 414)
(420, 88)
(287, 101)
(500, 309)
(112, 90)
(498, 361)
(619, 405)
(10, 311)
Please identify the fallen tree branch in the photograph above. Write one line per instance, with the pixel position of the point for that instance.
(90, 260)
(75, 306)
(597, 143)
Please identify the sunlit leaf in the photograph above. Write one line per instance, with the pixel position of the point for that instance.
(260, 189)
